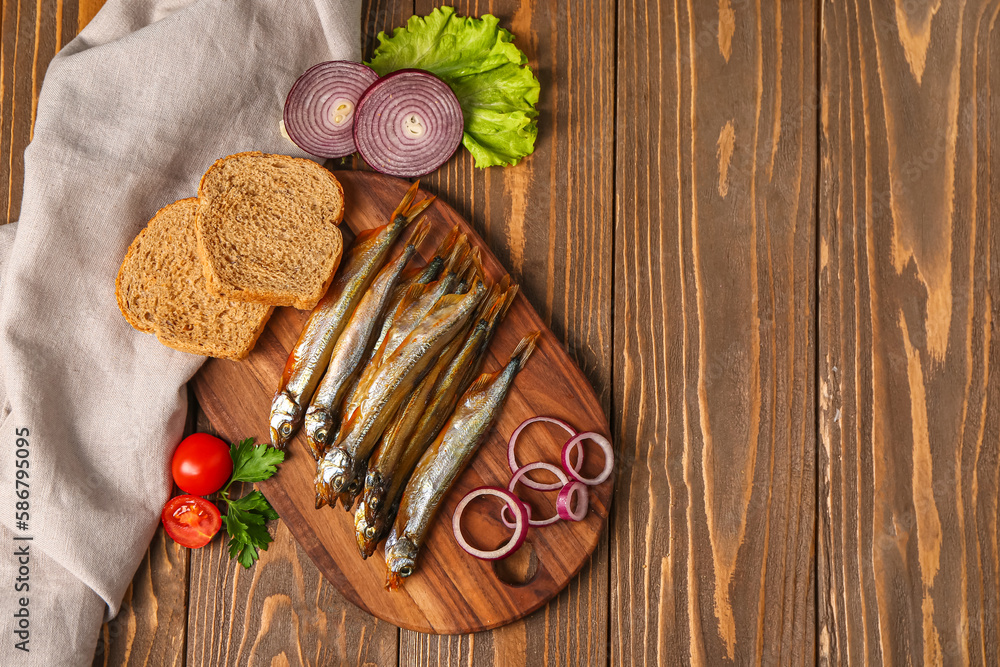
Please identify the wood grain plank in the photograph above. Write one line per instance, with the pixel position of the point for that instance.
(713, 549)
(150, 627)
(16, 56)
(548, 220)
(279, 612)
(32, 32)
(87, 10)
(908, 414)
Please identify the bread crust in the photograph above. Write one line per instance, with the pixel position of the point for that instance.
(119, 285)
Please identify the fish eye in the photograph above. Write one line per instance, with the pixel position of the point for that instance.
(405, 571)
(370, 532)
(374, 503)
(320, 436)
(285, 429)
(338, 482)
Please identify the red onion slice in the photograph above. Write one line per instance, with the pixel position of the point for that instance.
(564, 503)
(573, 471)
(512, 459)
(538, 465)
(320, 108)
(520, 523)
(408, 124)
(507, 522)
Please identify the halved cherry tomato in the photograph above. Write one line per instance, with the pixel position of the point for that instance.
(201, 464)
(191, 521)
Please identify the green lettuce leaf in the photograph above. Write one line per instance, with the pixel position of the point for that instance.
(490, 76)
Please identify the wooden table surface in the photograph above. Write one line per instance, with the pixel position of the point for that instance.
(764, 230)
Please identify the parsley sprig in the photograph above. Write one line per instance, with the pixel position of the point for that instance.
(247, 515)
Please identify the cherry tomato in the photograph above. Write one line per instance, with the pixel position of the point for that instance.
(191, 521)
(201, 464)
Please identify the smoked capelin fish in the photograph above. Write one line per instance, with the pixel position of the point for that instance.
(357, 394)
(397, 436)
(352, 345)
(423, 276)
(383, 486)
(367, 533)
(418, 275)
(407, 312)
(396, 444)
(420, 299)
(389, 469)
(451, 383)
(311, 354)
(397, 377)
(348, 497)
(445, 459)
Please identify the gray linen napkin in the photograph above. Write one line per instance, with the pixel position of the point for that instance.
(131, 114)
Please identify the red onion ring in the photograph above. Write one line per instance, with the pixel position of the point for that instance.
(537, 465)
(408, 123)
(512, 459)
(520, 525)
(321, 106)
(564, 503)
(573, 471)
(507, 522)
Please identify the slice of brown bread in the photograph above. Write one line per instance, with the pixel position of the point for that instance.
(161, 288)
(267, 228)
(135, 302)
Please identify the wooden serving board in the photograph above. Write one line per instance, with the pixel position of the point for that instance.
(451, 592)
